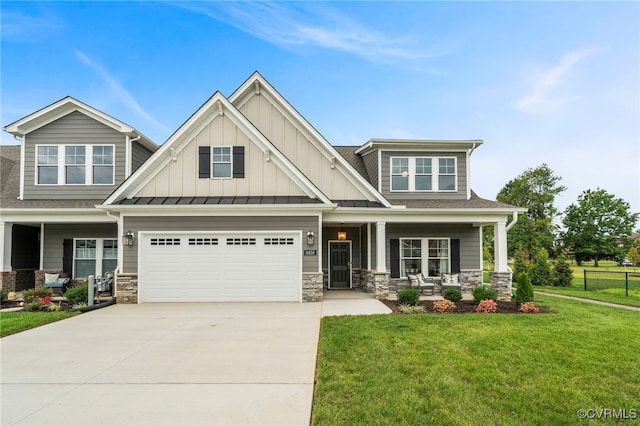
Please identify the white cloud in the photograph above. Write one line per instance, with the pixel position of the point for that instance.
(545, 88)
(311, 24)
(121, 95)
(18, 27)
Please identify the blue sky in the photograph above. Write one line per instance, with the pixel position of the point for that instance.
(539, 82)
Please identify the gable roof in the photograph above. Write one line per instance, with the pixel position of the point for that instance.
(214, 106)
(257, 84)
(66, 106)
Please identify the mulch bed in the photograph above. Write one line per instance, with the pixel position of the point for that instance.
(462, 307)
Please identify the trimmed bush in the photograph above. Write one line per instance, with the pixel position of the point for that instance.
(483, 292)
(541, 270)
(36, 294)
(524, 293)
(409, 296)
(452, 294)
(77, 294)
(442, 306)
(487, 306)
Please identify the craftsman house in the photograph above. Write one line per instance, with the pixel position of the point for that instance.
(245, 201)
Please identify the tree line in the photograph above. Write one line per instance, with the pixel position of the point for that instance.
(596, 227)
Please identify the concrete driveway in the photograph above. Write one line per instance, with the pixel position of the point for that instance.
(161, 364)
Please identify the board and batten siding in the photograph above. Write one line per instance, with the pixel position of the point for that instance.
(371, 164)
(461, 164)
(139, 154)
(223, 224)
(469, 236)
(180, 178)
(299, 149)
(55, 234)
(72, 129)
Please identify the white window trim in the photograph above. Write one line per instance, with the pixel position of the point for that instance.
(99, 253)
(230, 162)
(88, 164)
(435, 173)
(424, 248)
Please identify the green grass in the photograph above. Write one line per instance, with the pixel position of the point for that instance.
(15, 322)
(477, 369)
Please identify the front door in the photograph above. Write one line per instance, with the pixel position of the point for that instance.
(339, 264)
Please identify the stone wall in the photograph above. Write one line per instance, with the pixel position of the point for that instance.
(378, 284)
(127, 288)
(312, 286)
(501, 283)
(8, 280)
(469, 279)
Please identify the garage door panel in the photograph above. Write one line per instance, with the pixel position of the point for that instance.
(221, 267)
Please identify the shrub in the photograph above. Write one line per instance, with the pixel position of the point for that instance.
(521, 262)
(452, 294)
(409, 296)
(78, 294)
(487, 306)
(528, 308)
(562, 273)
(483, 292)
(36, 294)
(3, 294)
(541, 271)
(442, 306)
(409, 309)
(524, 293)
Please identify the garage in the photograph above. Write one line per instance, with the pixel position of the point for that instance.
(220, 267)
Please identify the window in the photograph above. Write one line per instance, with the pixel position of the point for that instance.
(241, 241)
(103, 165)
(423, 174)
(432, 262)
(47, 165)
(221, 162)
(165, 241)
(75, 164)
(95, 256)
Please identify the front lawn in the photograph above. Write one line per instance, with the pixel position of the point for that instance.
(15, 322)
(460, 369)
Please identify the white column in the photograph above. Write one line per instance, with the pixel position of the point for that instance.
(500, 247)
(369, 246)
(381, 236)
(5, 247)
(41, 246)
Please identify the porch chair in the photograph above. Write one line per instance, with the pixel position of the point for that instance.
(421, 283)
(56, 282)
(450, 281)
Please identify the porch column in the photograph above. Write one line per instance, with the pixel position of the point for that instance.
(381, 236)
(6, 232)
(500, 246)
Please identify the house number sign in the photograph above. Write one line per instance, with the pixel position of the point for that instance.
(310, 252)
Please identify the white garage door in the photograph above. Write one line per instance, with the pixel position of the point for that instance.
(220, 267)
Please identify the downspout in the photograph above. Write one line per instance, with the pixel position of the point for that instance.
(22, 154)
(129, 154)
(513, 222)
(469, 152)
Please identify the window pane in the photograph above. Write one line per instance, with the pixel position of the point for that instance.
(446, 183)
(103, 175)
(102, 154)
(221, 170)
(447, 166)
(222, 154)
(399, 165)
(74, 155)
(75, 174)
(400, 183)
(423, 183)
(437, 267)
(110, 249)
(423, 166)
(85, 249)
(48, 155)
(84, 268)
(109, 265)
(48, 175)
(410, 266)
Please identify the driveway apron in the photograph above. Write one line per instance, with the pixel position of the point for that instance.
(165, 364)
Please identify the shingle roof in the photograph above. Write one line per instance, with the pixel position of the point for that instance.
(474, 203)
(168, 201)
(349, 154)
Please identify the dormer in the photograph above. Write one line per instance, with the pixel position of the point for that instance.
(70, 150)
(411, 169)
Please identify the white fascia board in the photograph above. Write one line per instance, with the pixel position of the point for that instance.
(53, 215)
(248, 88)
(345, 217)
(220, 210)
(436, 145)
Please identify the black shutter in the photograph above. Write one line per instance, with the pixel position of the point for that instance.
(67, 256)
(394, 246)
(204, 162)
(455, 256)
(238, 161)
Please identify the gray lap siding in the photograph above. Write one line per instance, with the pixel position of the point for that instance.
(55, 234)
(214, 223)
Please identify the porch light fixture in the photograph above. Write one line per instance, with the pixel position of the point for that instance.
(342, 234)
(311, 238)
(128, 239)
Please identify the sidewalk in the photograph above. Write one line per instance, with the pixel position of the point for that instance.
(595, 302)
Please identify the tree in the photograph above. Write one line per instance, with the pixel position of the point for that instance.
(521, 262)
(562, 273)
(595, 225)
(524, 293)
(535, 189)
(633, 256)
(541, 271)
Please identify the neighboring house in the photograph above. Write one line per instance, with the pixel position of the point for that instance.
(246, 201)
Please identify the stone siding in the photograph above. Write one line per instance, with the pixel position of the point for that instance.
(312, 286)
(501, 283)
(8, 281)
(127, 288)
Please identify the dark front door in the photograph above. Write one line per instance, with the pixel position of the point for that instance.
(340, 264)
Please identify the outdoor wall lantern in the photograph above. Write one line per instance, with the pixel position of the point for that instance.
(311, 238)
(342, 234)
(128, 239)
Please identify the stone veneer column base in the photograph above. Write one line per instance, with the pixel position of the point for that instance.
(470, 279)
(8, 280)
(501, 283)
(312, 283)
(380, 285)
(127, 288)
